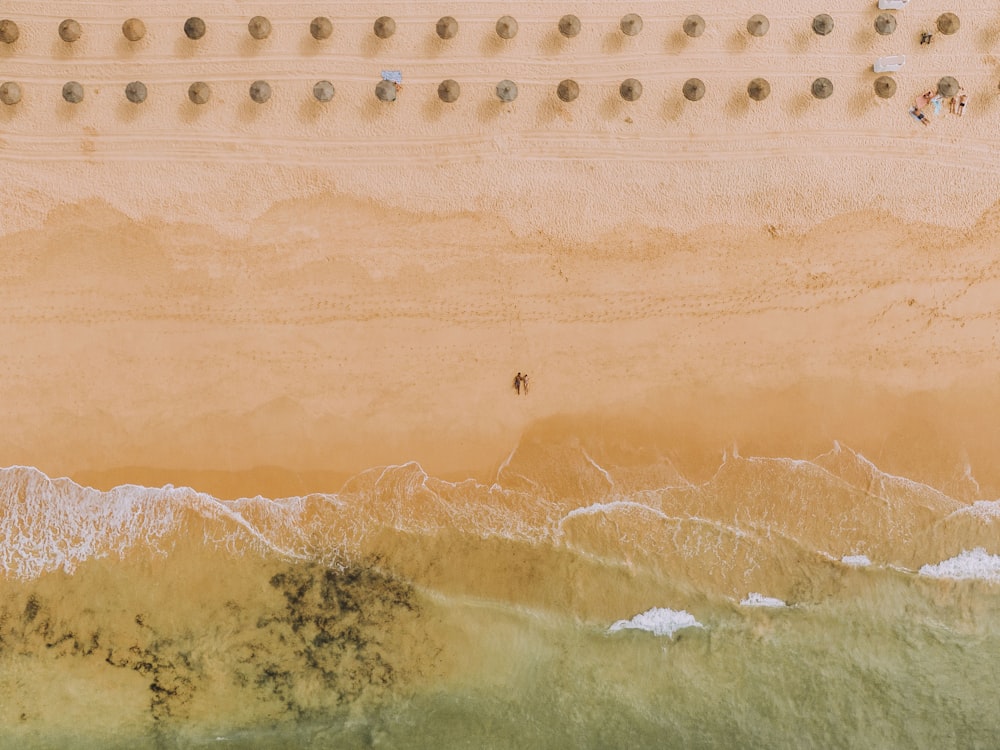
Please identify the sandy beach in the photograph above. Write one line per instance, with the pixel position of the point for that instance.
(264, 478)
(301, 290)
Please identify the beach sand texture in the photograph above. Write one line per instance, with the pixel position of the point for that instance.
(762, 346)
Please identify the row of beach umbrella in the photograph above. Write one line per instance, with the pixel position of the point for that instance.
(449, 90)
(259, 27)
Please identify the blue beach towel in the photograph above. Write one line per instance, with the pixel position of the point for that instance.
(396, 76)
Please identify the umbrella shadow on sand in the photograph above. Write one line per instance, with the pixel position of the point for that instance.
(738, 104)
(129, 112)
(677, 41)
(189, 112)
(799, 103)
(554, 43)
(614, 41)
(673, 107)
(737, 41)
(860, 103)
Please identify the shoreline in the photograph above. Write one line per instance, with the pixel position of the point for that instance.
(171, 348)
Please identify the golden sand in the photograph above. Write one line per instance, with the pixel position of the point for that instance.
(269, 298)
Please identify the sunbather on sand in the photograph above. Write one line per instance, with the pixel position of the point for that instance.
(923, 100)
(919, 116)
(963, 98)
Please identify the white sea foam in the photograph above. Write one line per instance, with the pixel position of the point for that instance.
(759, 600)
(658, 621)
(857, 561)
(976, 564)
(985, 510)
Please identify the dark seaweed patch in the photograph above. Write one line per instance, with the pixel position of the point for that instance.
(31, 609)
(172, 686)
(335, 627)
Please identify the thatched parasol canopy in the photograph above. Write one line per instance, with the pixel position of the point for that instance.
(885, 24)
(507, 27)
(449, 91)
(758, 25)
(10, 93)
(194, 28)
(630, 89)
(631, 24)
(885, 87)
(823, 24)
(323, 91)
(948, 86)
(447, 27)
(822, 88)
(70, 30)
(72, 92)
(320, 28)
(759, 89)
(136, 92)
(9, 31)
(569, 26)
(134, 29)
(385, 91)
(260, 91)
(199, 92)
(259, 27)
(948, 23)
(694, 89)
(568, 90)
(385, 27)
(694, 26)
(506, 91)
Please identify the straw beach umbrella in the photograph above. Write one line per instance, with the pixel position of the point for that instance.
(447, 27)
(134, 29)
(70, 30)
(259, 27)
(694, 26)
(631, 24)
(758, 25)
(822, 88)
(506, 27)
(759, 89)
(323, 91)
(822, 24)
(385, 27)
(194, 28)
(260, 91)
(506, 91)
(10, 93)
(568, 90)
(72, 92)
(630, 90)
(199, 92)
(948, 86)
(694, 89)
(136, 92)
(385, 91)
(569, 26)
(9, 31)
(948, 23)
(320, 28)
(885, 87)
(449, 91)
(885, 24)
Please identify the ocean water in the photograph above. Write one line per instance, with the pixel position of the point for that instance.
(574, 601)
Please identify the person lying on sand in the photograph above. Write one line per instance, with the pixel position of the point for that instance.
(963, 98)
(919, 116)
(923, 100)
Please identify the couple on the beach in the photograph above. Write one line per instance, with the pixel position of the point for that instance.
(521, 383)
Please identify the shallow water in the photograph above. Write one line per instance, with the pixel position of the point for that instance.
(410, 612)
